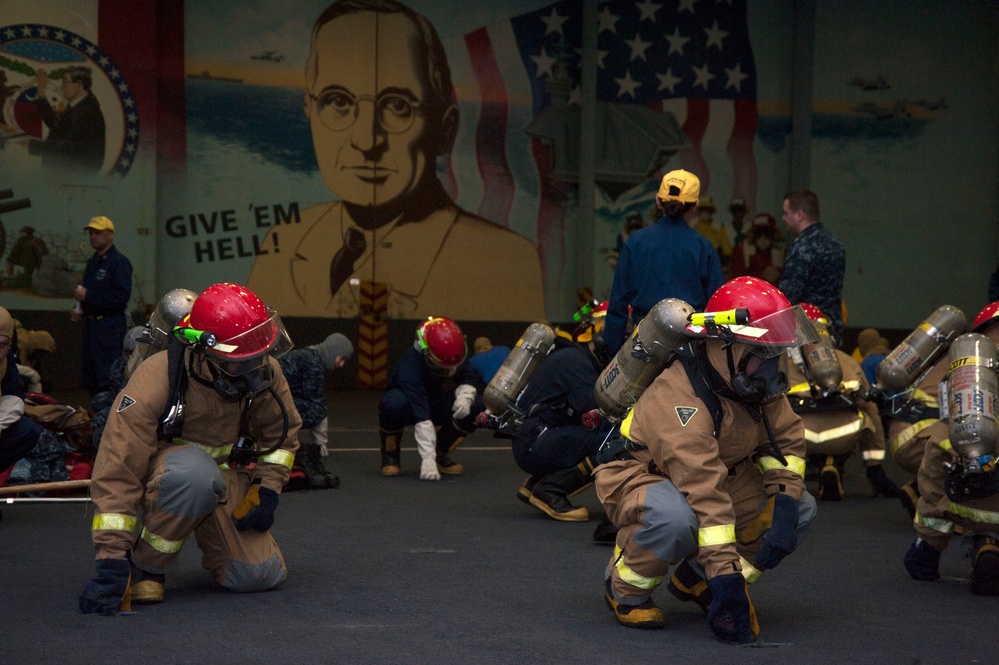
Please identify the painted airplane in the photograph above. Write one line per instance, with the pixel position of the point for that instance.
(272, 56)
(868, 84)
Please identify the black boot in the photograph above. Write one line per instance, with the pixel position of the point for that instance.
(448, 438)
(830, 485)
(526, 487)
(390, 452)
(551, 493)
(310, 460)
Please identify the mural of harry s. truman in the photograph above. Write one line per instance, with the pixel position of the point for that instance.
(380, 116)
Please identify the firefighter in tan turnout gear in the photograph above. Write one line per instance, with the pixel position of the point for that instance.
(958, 478)
(711, 476)
(200, 441)
(828, 389)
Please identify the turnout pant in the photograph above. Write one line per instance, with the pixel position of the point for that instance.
(187, 492)
(658, 529)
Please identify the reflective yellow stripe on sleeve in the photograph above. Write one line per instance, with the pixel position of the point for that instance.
(218, 453)
(626, 424)
(749, 571)
(114, 522)
(281, 457)
(722, 534)
(975, 514)
(874, 455)
(161, 544)
(630, 576)
(794, 464)
(906, 435)
(835, 432)
(943, 526)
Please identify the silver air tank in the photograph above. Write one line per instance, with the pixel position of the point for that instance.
(642, 357)
(824, 370)
(171, 308)
(973, 399)
(920, 349)
(515, 372)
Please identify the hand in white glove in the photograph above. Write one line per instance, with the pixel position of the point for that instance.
(426, 443)
(464, 397)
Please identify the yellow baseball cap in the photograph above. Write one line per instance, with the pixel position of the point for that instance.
(100, 224)
(681, 186)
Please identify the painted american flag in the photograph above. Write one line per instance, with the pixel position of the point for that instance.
(690, 57)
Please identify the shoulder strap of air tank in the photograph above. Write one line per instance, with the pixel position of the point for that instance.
(687, 355)
(171, 421)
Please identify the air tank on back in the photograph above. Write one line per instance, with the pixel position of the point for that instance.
(973, 398)
(515, 372)
(642, 357)
(824, 369)
(171, 308)
(920, 349)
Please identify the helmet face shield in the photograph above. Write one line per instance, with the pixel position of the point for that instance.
(771, 335)
(248, 351)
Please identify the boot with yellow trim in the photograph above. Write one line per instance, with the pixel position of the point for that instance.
(689, 585)
(390, 452)
(526, 487)
(148, 590)
(644, 615)
(448, 439)
(551, 494)
(830, 486)
(985, 566)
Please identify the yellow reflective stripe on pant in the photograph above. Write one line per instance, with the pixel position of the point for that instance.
(114, 522)
(906, 435)
(630, 576)
(722, 534)
(161, 544)
(935, 523)
(835, 432)
(280, 457)
(794, 464)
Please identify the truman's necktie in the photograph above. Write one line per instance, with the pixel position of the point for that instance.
(342, 265)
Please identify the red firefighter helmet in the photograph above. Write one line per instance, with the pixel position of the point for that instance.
(814, 313)
(442, 343)
(987, 317)
(751, 311)
(245, 328)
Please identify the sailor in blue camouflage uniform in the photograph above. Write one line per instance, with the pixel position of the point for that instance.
(305, 370)
(815, 262)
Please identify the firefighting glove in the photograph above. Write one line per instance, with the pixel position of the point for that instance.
(464, 397)
(109, 591)
(256, 511)
(732, 617)
(782, 536)
(882, 484)
(923, 561)
(426, 443)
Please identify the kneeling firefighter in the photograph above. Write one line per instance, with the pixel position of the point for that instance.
(711, 476)
(549, 440)
(177, 451)
(433, 389)
(828, 390)
(958, 474)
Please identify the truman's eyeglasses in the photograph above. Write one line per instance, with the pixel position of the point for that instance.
(338, 110)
